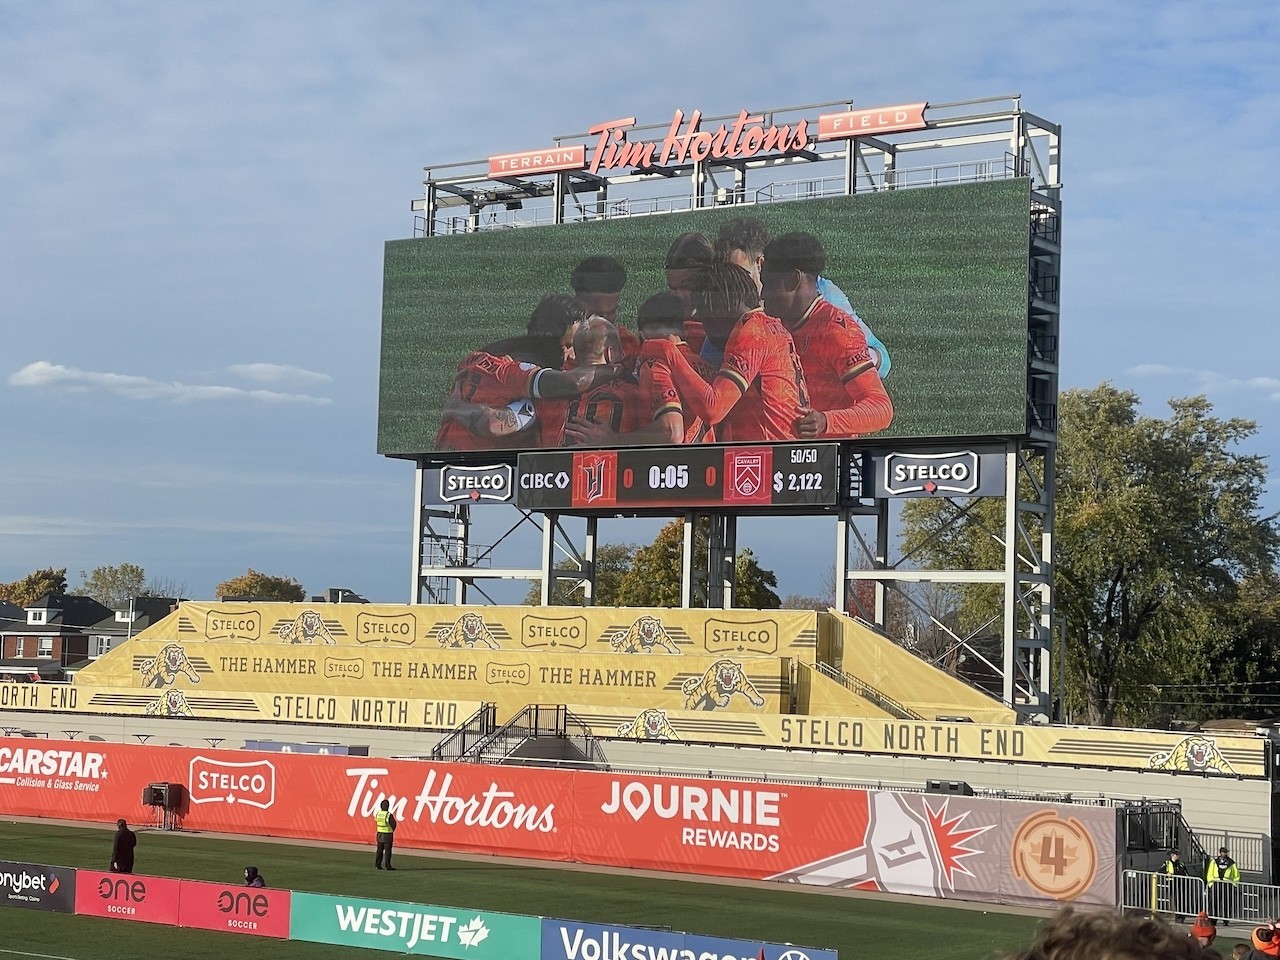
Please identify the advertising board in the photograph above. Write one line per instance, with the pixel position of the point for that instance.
(256, 911)
(36, 886)
(413, 928)
(971, 848)
(124, 896)
(571, 940)
(939, 277)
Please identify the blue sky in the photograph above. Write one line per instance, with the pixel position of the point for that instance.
(194, 198)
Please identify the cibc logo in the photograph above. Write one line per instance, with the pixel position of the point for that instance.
(217, 781)
(492, 482)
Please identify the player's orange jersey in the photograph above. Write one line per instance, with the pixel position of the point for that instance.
(617, 404)
(760, 359)
(659, 394)
(630, 345)
(833, 351)
(492, 381)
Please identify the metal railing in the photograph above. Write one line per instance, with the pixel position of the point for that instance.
(868, 692)
(477, 727)
(1181, 897)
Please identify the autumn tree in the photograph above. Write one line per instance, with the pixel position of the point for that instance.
(655, 577)
(1158, 528)
(39, 583)
(262, 586)
(112, 586)
(613, 560)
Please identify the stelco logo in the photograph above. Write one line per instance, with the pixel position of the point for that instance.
(757, 637)
(931, 473)
(539, 632)
(216, 781)
(476, 483)
(233, 625)
(398, 628)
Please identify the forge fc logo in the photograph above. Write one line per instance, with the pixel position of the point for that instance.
(493, 483)
(595, 479)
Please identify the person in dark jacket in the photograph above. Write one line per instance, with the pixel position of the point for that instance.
(252, 878)
(122, 848)
(1223, 880)
(1174, 891)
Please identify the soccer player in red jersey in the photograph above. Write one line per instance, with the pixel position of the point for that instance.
(597, 283)
(477, 415)
(759, 392)
(689, 254)
(610, 404)
(660, 317)
(847, 398)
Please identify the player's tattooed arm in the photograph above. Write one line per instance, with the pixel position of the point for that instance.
(483, 420)
(570, 383)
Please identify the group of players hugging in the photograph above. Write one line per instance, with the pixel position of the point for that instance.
(749, 343)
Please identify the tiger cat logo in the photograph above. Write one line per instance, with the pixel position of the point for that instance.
(650, 724)
(308, 628)
(1193, 755)
(162, 669)
(716, 687)
(469, 630)
(171, 704)
(646, 635)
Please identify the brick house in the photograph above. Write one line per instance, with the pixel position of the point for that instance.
(55, 634)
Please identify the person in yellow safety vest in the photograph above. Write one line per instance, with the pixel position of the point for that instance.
(1175, 890)
(1223, 880)
(385, 823)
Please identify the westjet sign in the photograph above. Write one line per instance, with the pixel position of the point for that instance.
(567, 940)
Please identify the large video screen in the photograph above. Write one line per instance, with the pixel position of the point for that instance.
(937, 279)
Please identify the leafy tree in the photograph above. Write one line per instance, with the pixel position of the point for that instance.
(113, 586)
(796, 601)
(1158, 525)
(263, 586)
(654, 579)
(613, 560)
(35, 585)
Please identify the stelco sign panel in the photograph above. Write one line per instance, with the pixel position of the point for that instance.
(952, 473)
(456, 483)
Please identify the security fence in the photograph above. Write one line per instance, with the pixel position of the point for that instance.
(1181, 897)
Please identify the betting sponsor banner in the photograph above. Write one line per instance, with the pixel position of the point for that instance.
(37, 886)
(126, 896)
(413, 928)
(571, 940)
(256, 911)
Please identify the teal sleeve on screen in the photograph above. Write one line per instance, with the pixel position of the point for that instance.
(836, 297)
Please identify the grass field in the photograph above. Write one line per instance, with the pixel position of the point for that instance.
(856, 926)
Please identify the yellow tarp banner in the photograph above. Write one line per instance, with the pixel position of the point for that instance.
(902, 676)
(716, 633)
(1071, 746)
(509, 679)
(345, 710)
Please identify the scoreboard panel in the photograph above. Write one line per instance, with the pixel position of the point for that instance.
(767, 475)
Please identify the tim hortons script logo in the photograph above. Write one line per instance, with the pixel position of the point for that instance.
(495, 808)
(682, 144)
(217, 781)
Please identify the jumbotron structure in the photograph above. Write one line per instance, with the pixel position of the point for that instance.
(942, 224)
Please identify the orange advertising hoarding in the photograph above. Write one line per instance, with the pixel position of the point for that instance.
(940, 846)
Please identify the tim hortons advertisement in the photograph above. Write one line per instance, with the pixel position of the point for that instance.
(898, 314)
(940, 846)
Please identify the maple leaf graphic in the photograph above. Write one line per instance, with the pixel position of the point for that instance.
(472, 934)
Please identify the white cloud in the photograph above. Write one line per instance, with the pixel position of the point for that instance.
(1210, 381)
(43, 374)
(278, 373)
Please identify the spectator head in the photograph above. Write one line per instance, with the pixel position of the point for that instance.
(1102, 935)
(662, 315)
(554, 314)
(1203, 929)
(597, 283)
(385, 805)
(121, 824)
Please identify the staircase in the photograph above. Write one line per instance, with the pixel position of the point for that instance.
(540, 733)
(867, 692)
